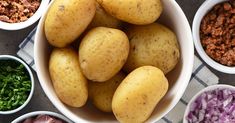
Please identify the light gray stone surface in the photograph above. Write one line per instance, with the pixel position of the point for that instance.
(9, 41)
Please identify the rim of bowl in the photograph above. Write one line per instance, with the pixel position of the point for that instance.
(209, 88)
(202, 11)
(5, 57)
(186, 77)
(187, 70)
(29, 21)
(35, 113)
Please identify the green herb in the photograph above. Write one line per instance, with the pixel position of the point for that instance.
(15, 84)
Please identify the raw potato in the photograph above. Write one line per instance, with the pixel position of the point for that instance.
(67, 19)
(101, 94)
(68, 81)
(138, 94)
(102, 53)
(154, 45)
(103, 19)
(139, 12)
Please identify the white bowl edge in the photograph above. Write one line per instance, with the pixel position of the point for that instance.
(187, 70)
(183, 77)
(32, 114)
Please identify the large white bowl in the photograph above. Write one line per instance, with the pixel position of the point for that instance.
(175, 19)
(27, 23)
(202, 11)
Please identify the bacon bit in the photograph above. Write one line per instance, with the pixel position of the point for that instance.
(15, 11)
(217, 33)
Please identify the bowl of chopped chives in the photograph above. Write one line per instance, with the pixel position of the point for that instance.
(16, 84)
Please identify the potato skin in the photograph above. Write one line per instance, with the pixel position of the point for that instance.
(102, 53)
(104, 19)
(139, 12)
(101, 94)
(68, 81)
(152, 44)
(138, 94)
(66, 20)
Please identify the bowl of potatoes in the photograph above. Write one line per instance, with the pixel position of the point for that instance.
(124, 61)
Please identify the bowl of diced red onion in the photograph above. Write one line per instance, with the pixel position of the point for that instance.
(42, 117)
(19, 14)
(214, 104)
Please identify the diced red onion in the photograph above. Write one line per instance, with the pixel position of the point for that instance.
(216, 106)
(201, 115)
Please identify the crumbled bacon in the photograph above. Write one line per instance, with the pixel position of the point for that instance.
(217, 33)
(15, 11)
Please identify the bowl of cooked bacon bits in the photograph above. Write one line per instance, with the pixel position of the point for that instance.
(19, 14)
(213, 104)
(214, 34)
(42, 117)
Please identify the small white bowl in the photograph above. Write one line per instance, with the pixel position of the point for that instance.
(9, 57)
(27, 23)
(174, 18)
(36, 113)
(202, 11)
(209, 88)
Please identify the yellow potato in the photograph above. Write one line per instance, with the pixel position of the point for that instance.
(138, 94)
(152, 44)
(101, 94)
(102, 53)
(69, 83)
(67, 19)
(103, 19)
(139, 12)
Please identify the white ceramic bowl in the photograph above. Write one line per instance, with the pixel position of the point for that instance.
(27, 23)
(202, 11)
(175, 19)
(209, 88)
(36, 113)
(9, 57)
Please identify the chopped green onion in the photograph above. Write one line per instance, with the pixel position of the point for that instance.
(15, 84)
